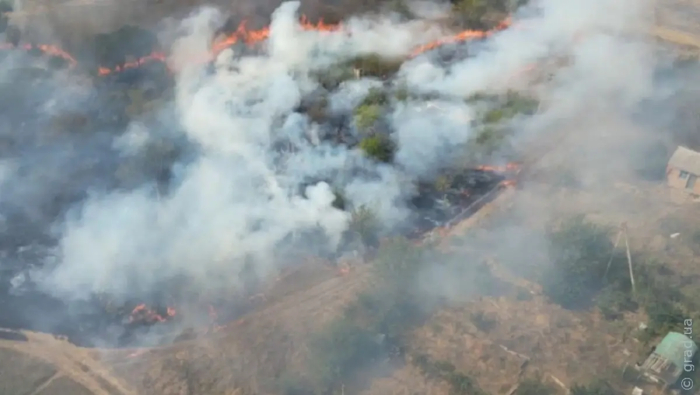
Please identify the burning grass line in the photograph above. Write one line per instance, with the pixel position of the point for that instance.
(250, 38)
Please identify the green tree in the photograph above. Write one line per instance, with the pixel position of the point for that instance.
(378, 147)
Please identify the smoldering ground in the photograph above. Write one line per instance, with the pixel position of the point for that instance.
(234, 198)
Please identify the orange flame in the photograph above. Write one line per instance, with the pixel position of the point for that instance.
(155, 56)
(251, 37)
(50, 50)
(461, 36)
(142, 313)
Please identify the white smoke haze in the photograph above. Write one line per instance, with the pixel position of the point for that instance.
(236, 201)
(239, 198)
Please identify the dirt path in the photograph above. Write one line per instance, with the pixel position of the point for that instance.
(44, 365)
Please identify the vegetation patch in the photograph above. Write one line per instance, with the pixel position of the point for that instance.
(460, 383)
(378, 147)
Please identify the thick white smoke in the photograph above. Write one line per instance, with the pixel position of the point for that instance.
(242, 196)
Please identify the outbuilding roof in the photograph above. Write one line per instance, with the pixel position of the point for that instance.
(685, 159)
(674, 346)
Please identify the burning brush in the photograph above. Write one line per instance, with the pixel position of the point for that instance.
(247, 36)
(143, 315)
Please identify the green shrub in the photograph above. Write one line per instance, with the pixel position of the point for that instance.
(495, 115)
(378, 147)
(374, 65)
(507, 107)
(517, 103)
(443, 183)
(367, 115)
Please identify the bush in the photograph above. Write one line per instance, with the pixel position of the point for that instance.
(490, 138)
(473, 14)
(367, 115)
(516, 103)
(579, 252)
(378, 147)
(373, 65)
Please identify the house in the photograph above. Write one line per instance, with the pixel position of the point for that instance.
(683, 170)
(665, 364)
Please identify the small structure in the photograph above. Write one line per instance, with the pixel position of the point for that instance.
(683, 170)
(666, 362)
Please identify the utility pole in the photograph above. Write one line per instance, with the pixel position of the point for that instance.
(622, 233)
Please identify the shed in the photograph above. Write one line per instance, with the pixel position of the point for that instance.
(669, 357)
(683, 170)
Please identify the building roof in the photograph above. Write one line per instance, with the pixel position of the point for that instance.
(686, 159)
(673, 347)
